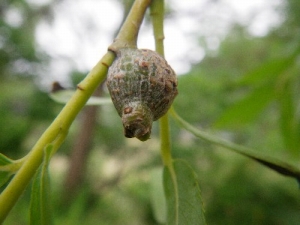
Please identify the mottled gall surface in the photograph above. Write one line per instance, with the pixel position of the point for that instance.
(142, 86)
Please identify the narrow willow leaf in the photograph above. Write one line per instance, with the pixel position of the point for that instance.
(4, 177)
(248, 108)
(183, 195)
(7, 169)
(158, 200)
(266, 160)
(288, 118)
(4, 160)
(269, 71)
(63, 96)
(40, 213)
(263, 79)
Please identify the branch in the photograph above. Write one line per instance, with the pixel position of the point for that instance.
(58, 130)
(157, 14)
(127, 37)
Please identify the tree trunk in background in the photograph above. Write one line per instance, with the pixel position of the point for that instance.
(81, 150)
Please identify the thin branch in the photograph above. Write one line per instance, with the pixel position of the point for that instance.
(127, 37)
(58, 130)
(157, 14)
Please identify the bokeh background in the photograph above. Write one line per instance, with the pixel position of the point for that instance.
(238, 70)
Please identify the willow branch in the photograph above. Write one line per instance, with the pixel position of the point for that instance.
(58, 130)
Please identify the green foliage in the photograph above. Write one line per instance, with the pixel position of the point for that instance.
(5, 171)
(289, 119)
(247, 109)
(8, 168)
(183, 195)
(223, 89)
(13, 103)
(243, 197)
(272, 81)
(158, 200)
(18, 39)
(266, 160)
(198, 94)
(269, 72)
(40, 205)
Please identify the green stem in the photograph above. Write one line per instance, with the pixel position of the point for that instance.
(55, 134)
(165, 143)
(58, 130)
(165, 148)
(157, 14)
(127, 37)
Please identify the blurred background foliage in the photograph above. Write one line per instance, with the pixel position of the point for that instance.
(246, 90)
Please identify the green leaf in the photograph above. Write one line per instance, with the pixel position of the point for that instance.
(269, 71)
(63, 96)
(4, 160)
(248, 108)
(266, 160)
(4, 177)
(288, 118)
(263, 80)
(7, 169)
(183, 195)
(158, 200)
(40, 213)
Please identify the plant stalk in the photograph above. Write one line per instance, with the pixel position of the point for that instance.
(127, 37)
(58, 130)
(157, 14)
(55, 134)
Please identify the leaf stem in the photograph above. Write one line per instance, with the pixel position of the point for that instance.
(127, 37)
(13, 166)
(157, 14)
(165, 144)
(266, 160)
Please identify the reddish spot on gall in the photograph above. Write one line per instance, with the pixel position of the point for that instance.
(127, 110)
(144, 64)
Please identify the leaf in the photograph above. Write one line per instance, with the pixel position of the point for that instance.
(158, 200)
(63, 96)
(6, 169)
(248, 108)
(183, 195)
(262, 79)
(266, 160)
(40, 213)
(288, 119)
(4, 160)
(269, 71)
(4, 177)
